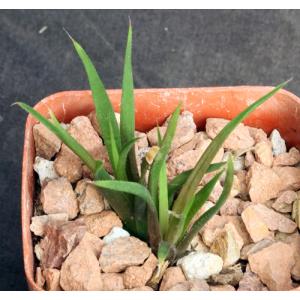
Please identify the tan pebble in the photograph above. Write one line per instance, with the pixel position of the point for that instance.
(273, 265)
(59, 242)
(258, 134)
(230, 207)
(67, 164)
(228, 244)
(257, 229)
(263, 153)
(81, 271)
(221, 288)
(191, 285)
(289, 176)
(112, 282)
(47, 144)
(89, 197)
(172, 276)
(288, 159)
(39, 223)
(296, 211)
(249, 159)
(251, 282)
(39, 278)
(52, 277)
(240, 138)
(294, 241)
(263, 183)
(122, 253)
(135, 276)
(101, 224)
(284, 202)
(58, 197)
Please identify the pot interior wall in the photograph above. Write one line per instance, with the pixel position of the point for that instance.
(153, 106)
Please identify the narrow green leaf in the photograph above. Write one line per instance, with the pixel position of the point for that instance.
(176, 183)
(140, 213)
(193, 206)
(121, 173)
(142, 193)
(183, 244)
(215, 167)
(159, 138)
(161, 155)
(199, 199)
(119, 202)
(198, 172)
(62, 134)
(114, 150)
(127, 187)
(163, 200)
(127, 119)
(163, 251)
(154, 233)
(104, 110)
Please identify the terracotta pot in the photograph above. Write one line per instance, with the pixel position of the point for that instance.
(152, 107)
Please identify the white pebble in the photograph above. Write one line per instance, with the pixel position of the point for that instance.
(45, 169)
(200, 265)
(114, 234)
(239, 162)
(65, 126)
(278, 143)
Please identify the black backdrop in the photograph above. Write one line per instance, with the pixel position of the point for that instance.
(171, 49)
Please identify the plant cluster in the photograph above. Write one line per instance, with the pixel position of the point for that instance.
(151, 208)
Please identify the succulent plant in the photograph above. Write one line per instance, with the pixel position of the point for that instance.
(159, 211)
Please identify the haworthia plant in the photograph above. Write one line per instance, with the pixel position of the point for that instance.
(159, 211)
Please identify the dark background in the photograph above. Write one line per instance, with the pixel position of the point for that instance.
(171, 49)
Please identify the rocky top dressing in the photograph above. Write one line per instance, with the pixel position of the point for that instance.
(252, 244)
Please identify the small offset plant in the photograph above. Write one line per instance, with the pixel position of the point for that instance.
(159, 212)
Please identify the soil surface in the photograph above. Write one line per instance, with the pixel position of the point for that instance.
(252, 244)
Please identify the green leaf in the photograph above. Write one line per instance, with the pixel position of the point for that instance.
(183, 244)
(104, 110)
(140, 213)
(127, 119)
(215, 167)
(63, 135)
(133, 188)
(163, 251)
(194, 205)
(114, 150)
(127, 123)
(161, 155)
(124, 205)
(143, 194)
(163, 200)
(121, 173)
(159, 138)
(199, 199)
(154, 233)
(176, 183)
(119, 201)
(198, 172)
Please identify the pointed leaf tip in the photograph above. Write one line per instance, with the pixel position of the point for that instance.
(290, 79)
(15, 103)
(69, 35)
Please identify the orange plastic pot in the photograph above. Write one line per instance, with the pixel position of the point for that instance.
(154, 106)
